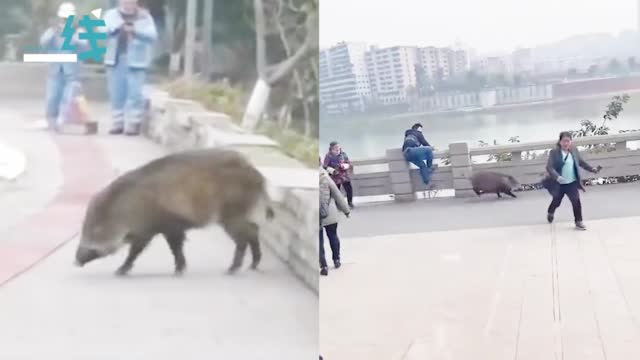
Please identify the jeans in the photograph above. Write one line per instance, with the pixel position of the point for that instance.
(125, 90)
(334, 243)
(57, 83)
(422, 157)
(348, 189)
(571, 190)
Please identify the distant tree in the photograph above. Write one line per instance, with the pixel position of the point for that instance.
(572, 72)
(593, 70)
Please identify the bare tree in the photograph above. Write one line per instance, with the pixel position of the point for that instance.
(296, 53)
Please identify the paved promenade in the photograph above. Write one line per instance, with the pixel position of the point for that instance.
(51, 309)
(486, 280)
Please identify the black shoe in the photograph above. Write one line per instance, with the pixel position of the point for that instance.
(337, 264)
(324, 271)
(580, 226)
(549, 218)
(116, 130)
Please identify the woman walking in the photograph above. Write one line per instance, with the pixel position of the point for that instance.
(563, 168)
(331, 200)
(338, 165)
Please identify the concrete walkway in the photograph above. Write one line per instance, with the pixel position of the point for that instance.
(530, 208)
(534, 292)
(50, 309)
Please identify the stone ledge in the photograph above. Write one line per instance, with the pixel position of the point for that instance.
(184, 124)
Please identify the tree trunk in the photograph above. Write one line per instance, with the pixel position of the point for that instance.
(257, 104)
(207, 22)
(190, 38)
(285, 113)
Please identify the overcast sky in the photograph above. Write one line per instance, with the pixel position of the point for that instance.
(486, 25)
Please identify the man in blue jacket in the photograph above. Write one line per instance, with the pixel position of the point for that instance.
(418, 151)
(131, 36)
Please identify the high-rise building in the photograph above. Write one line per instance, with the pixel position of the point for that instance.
(522, 61)
(443, 63)
(344, 81)
(392, 73)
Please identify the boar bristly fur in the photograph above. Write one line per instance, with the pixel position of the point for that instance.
(174, 194)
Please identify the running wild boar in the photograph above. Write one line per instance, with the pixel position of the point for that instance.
(487, 182)
(174, 194)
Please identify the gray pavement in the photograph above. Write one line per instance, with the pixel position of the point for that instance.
(599, 202)
(534, 292)
(57, 311)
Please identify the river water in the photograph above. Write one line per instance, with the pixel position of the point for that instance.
(365, 136)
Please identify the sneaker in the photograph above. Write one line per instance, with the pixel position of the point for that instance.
(38, 125)
(337, 264)
(116, 130)
(549, 218)
(580, 226)
(324, 271)
(133, 130)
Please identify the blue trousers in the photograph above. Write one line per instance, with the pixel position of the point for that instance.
(57, 84)
(422, 157)
(125, 90)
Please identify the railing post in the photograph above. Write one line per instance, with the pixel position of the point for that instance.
(461, 169)
(400, 176)
(516, 156)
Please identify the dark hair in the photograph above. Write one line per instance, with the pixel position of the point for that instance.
(332, 144)
(565, 134)
(416, 126)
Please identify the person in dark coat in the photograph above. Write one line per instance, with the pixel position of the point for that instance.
(417, 150)
(563, 168)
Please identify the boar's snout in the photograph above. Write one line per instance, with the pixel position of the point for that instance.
(85, 255)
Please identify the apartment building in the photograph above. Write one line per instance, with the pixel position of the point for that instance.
(344, 80)
(392, 71)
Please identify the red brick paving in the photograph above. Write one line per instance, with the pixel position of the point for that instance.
(85, 170)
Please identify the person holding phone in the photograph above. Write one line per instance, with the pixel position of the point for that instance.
(338, 165)
(563, 168)
(131, 36)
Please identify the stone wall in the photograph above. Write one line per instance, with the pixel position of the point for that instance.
(184, 124)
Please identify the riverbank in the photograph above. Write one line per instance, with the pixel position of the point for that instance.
(507, 107)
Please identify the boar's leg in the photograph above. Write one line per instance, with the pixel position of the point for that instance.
(137, 244)
(477, 191)
(508, 192)
(176, 244)
(243, 233)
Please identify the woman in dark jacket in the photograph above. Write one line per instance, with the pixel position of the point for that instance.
(563, 168)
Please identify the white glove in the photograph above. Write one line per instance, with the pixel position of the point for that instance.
(330, 170)
(345, 166)
(560, 179)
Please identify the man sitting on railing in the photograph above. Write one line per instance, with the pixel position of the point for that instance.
(418, 151)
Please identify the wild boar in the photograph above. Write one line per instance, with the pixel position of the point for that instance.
(171, 195)
(493, 182)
